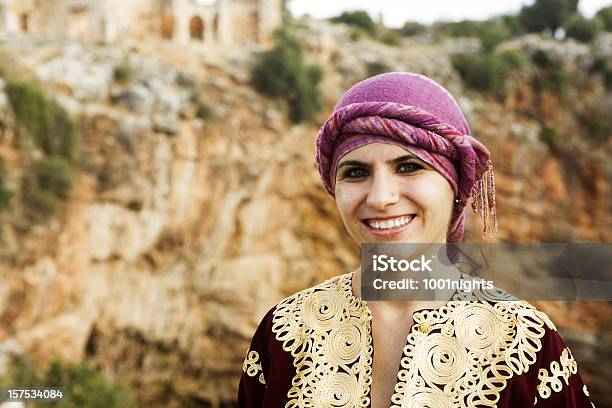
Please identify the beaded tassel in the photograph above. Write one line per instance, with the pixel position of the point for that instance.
(483, 201)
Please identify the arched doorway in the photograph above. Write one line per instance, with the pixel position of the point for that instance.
(167, 25)
(24, 22)
(196, 28)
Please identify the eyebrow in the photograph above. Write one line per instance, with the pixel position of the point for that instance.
(393, 161)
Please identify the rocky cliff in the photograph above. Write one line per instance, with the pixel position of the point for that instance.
(187, 223)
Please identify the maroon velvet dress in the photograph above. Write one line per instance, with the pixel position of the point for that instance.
(482, 349)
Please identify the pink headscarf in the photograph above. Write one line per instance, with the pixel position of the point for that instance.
(418, 114)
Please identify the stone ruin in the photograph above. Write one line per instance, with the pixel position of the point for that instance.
(221, 22)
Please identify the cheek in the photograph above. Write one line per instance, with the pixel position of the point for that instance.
(433, 193)
(347, 201)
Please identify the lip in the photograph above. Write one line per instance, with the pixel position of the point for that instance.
(390, 232)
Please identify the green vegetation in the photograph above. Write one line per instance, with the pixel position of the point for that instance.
(552, 75)
(282, 72)
(493, 34)
(391, 38)
(45, 123)
(360, 19)
(603, 66)
(547, 14)
(411, 28)
(605, 15)
(47, 187)
(42, 119)
(488, 71)
(122, 72)
(582, 29)
(83, 386)
(550, 137)
(55, 175)
(376, 67)
(490, 32)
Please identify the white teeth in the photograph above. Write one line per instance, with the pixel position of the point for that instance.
(397, 222)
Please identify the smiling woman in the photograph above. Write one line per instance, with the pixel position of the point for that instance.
(397, 156)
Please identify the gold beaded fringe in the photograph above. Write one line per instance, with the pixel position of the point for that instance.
(483, 201)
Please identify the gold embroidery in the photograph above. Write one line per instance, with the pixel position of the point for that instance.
(327, 331)
(585, 390)
(471, 351)
(251, 366)
(559, 372)
(461, 354)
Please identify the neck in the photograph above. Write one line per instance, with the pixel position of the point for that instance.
(441, 269)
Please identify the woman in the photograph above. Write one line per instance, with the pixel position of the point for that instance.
(397, 156)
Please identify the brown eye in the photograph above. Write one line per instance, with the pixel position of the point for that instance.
(409, 167)
(355, 173)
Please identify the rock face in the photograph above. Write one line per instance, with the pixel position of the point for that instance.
(181, 232)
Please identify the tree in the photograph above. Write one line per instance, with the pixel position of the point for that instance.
(411, 28)
(582, 29)
(605, 15)
(360, 19)
(547, 14)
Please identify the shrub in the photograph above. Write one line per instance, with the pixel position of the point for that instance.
(43, 119)
(464, 28)
(82, 385)
(550, 137)
(493, 34)
(514, 25)
(306, 99)
(603, 66)
(376, 67)
(582, 29)
(122, 72)
(543, 59)
(552, 75)
(282, 72)
(547, 14)
(514, 59)
(55, 175)
(391, 38)
(46, 187)
(484, 72)
(411, 28)
(605, 15)
(360, 19)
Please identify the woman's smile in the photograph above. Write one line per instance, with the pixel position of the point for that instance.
(388, 226)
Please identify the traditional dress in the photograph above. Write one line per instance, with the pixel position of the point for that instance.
(481, 349)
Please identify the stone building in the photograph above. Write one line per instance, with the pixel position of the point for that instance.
(108, 21)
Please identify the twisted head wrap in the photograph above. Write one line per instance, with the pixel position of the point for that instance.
(422, 117)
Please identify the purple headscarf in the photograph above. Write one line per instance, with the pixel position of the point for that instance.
(418, 114)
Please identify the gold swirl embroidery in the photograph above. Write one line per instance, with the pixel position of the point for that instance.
(461, 354)
(327, 331)
(469, 353)
(252, 366)
(560, 371)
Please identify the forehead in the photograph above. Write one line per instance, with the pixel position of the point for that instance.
(376, 151)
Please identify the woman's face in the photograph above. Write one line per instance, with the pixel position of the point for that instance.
(386, 194)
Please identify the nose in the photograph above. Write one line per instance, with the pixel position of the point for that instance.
(383, 192)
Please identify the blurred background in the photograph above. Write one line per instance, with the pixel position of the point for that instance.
(158, 190)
